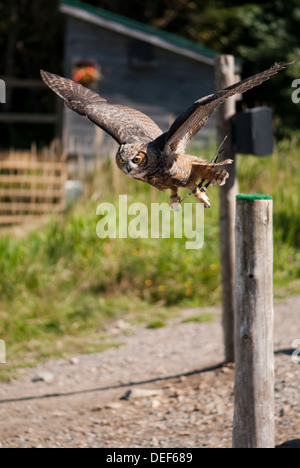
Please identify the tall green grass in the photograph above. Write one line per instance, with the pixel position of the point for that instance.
(61, 284)
(278, 176)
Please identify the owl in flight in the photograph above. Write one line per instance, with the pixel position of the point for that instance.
(146, 153)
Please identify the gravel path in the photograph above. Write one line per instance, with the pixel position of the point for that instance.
(161, 388)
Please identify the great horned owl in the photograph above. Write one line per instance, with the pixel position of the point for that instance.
(145, 152)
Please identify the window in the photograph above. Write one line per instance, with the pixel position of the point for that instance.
(141, 55)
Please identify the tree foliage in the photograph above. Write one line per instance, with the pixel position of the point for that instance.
(31, 34)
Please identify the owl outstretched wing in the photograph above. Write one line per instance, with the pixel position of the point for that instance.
(124, 124)
(195, 117)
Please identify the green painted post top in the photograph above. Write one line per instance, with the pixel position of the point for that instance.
(253, 196)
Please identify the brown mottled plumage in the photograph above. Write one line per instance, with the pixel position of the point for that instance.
(147, 154)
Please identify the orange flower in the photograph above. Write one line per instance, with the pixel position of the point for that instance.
(86, 74)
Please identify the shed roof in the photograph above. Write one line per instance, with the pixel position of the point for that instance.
(134, 29)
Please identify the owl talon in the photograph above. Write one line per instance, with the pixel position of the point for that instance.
(219, 177)
(222, 179)
(174, 199)
(176, 207)
(204, 199)
(201, 196)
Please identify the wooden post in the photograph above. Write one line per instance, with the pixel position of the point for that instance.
(225, 76)
(254, 381)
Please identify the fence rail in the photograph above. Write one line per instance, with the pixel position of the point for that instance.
(13, 117)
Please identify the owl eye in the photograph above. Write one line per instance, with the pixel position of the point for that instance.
(137, 159)
(122, 161)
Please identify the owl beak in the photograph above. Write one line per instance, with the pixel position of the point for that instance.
(128, 168)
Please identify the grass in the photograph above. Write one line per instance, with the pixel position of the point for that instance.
(277, 176)
(156, 324)
(61, 284)
(202, 318)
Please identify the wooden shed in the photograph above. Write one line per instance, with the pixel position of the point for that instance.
(132, 64)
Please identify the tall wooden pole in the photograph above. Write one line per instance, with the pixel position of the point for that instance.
(225, 76)
(254, 379)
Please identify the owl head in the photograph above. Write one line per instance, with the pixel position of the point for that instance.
(132, 159)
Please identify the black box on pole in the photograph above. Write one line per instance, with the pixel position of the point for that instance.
(252, 132)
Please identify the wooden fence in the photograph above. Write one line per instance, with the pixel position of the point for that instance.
(30, 185)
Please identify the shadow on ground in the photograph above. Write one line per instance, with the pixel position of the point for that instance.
(294, 443)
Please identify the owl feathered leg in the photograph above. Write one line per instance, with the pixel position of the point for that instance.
(174, 197)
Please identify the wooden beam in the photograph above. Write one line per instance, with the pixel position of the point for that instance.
(225, 76)
(31, 192)
(37, 180)
(254, 369)
(18, 164)
(11, 219)
(20, 83)
(7, 117)
(19, 207)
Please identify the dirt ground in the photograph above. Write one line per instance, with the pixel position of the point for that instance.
(161, 388)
